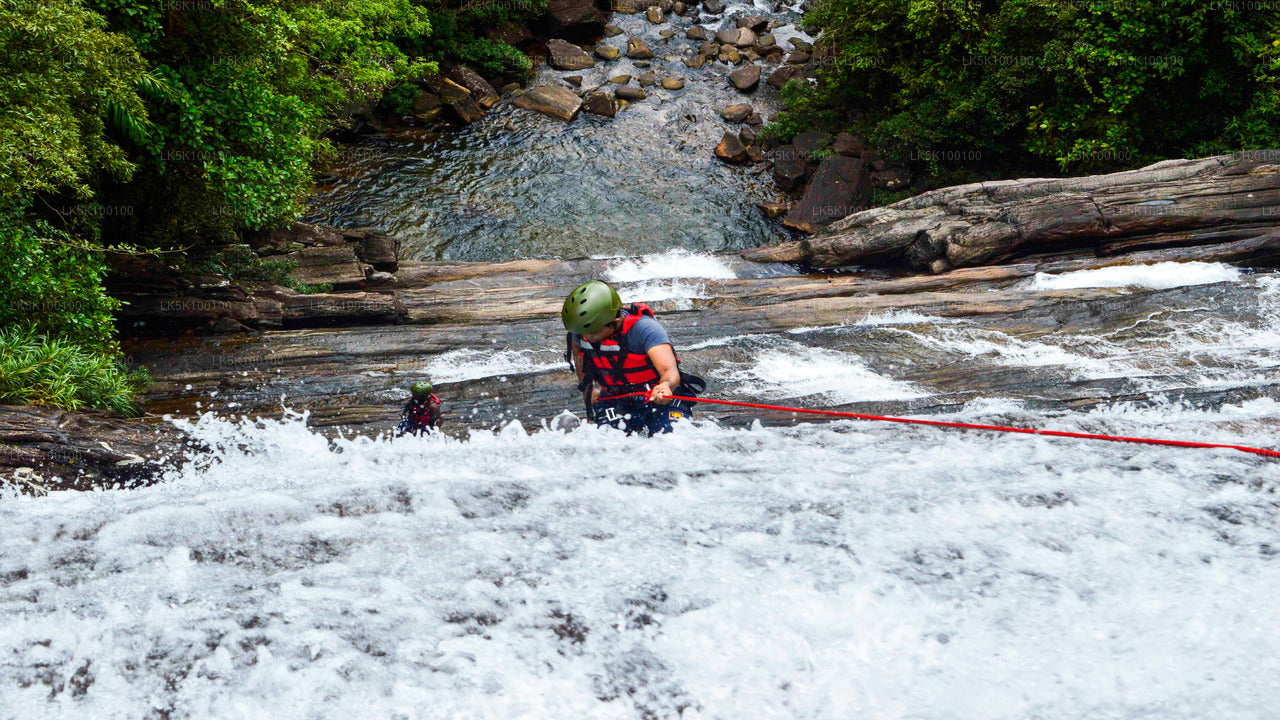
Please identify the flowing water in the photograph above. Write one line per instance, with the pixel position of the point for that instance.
(798, 570)
(518, 184)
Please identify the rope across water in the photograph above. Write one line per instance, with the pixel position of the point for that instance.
(971, 426)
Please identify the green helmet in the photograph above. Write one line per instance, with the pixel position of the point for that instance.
(590, 307)
(421, 390)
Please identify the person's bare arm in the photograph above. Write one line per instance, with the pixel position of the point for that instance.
(663, 358)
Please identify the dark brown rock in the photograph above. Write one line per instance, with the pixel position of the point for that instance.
(740, 37)
(773, 209)
(573, 18)
(841, 187)
(789, 168)
(697, 32)
(552, 100)
(810, 142)
(607, 52)
(779, 77)
(745, 78)
(731, 150)
(336, 266)
(755, 23)
(798, 57)
(379, 250)
(647, 78)
(713, 7)
(654, 14)
(563, 55)
(638, 50)
(736, 113)
(891, 179)
(481, 91)
(456, 97)
(630, 93)
(847, 145)
(598, 103)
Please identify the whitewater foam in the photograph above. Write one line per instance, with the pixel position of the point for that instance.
(1157, 276)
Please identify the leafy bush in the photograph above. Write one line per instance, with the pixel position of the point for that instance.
(1074, 85)
(36, 369)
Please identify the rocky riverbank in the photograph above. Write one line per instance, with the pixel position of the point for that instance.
(488, 334)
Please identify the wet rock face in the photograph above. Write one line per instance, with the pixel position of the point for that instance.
(598, 103)
(555, 101)
(1218, 202)
(840, 187)
(745, 78)
(789, 168)
(731, 150)
(574, 19)
(457, 97)
(481, 91)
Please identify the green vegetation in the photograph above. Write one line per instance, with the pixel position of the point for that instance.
(37, 369)
(132, 126)
(969, 90)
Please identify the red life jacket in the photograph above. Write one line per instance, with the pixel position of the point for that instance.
(612, 362)
(423, 414)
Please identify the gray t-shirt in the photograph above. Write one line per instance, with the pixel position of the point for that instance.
(646, 334)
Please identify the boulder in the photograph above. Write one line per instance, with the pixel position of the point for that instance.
(773, 209)
(427, 106)
(607, 52)
(647, 78)
(574, 80)
(799, 57)
(375, 248)
(579, 19)
(747, 136)
(697, 32)
(740, 37)
(598, 103)
(563, 55)
(779, 77)
(713, 7)
(789, 168)
(631, 7)
(737, 113)
(745, 78)
(679, 8)
(638, 50)
(457, 97)
(612, 31)
(672, 84)
(481, 91)
(553, 100)
(731, 150)
(630, 93)
(695, 61)
(841, 187)
(620, 79)
(809, 142)
(654, 15)
(802, 45)
(847, 145)
(755, 23)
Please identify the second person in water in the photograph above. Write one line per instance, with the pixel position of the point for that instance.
(618, 350)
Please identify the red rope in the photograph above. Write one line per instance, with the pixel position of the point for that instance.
(971, 426)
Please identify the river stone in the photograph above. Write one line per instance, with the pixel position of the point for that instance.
(747, 136)
(574, 80)
(809, 142)
(456, 97)
(631, 7)
(654, 14)
(697, 32)
(799, 57)
(847, 145)
(789, 167)
(672, 84)
(598, 103)
(736, 113)
(741, 37)
(630, 93)
(563, 55)
(755, 23)
(731, 150)
(751, 55)
(481, 91)
(713, 7)
(572, 18)
(553, 100)
(730, 54)
(803, 45)
(607, 52)
(766, 40)
(841, 187)
(620, 79)
(679, 8)
(668, 34)
(638, 50)
(780, 76)
(641, 64)
(709, 48)
(427, 102)
(773, 209)
(745, 78)
(510, 88)
(695, 61)
(647, 78)
(612, 31)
